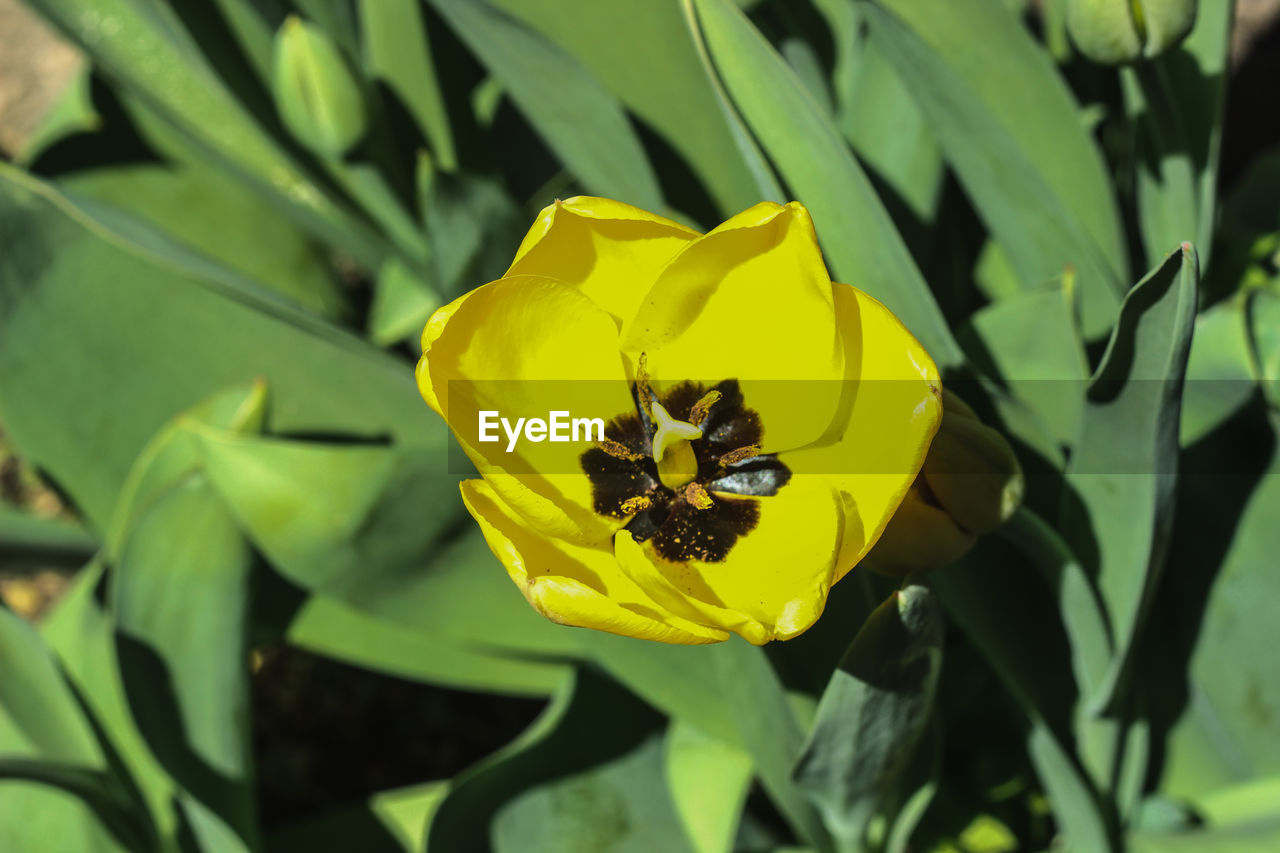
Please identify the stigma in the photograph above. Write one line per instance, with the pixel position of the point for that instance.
(672, 451)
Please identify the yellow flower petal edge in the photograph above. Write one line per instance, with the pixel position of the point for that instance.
(762, 424)
(594, 243)
(574, 585)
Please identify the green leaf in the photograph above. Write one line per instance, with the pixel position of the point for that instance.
(615, 39)
(180, 595)
(580, 121)
(858, 236)
(36, 700)
(328, 627)
(873, 713)
(402, 304)
(390, 822)
(82, 634)
(200, 209)
(92, 787)
(1033, 341)
(622, 805)
(876, 113)
(1176, 101)
(145, 47)
(589, 722)
(373, 530)
(1239, 819)
(709, 687)
(69, 278)
(1228, 732)
(1124, 468)
(1010, 128)
(398, 52)
(1219, 379)
(28, 540)
(709, 780)
(1008, 616)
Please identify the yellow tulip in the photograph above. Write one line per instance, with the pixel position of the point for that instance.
(762, 422)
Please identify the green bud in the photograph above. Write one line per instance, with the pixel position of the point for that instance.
(316, 93)
(1120, 31)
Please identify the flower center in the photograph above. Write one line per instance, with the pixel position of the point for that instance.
(685, 469)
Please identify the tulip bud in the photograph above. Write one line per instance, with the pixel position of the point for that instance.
(970, 483)
(1120, 31)
(316, 93)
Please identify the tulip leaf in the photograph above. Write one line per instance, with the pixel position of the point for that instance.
(94, 788)
(621, 805)
(145, 47)
(81, 632)
(992, 597)
(36, 701)
(198, 208)
(1238, 819)
(389, 822)
(590, 723)
(68, 278)
(29, 540)
(859, 238)
(180, 591)
(709, 780)
(1033, 341)
(363, 527)
(1219, 378)
(876, 113)
(1008, 125)
(873, 713)
(331, 628)
(1225, 733)
(579, 119)
(1125, 463)
(1176, 100)
(614, 40)
(707, 686)
(397, 50)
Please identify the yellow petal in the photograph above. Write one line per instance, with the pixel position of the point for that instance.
(751, 300)
(431, 331)
(887, 417)
(776, 575)
(682, 602)
(610, 251)
(571, 584)
(526, 347)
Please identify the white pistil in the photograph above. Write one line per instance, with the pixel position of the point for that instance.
(676, 461)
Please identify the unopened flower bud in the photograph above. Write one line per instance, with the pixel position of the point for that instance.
(971, 483)
(1120, 31)
(316, 92)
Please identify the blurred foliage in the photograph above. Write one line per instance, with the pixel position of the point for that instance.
(215, 258)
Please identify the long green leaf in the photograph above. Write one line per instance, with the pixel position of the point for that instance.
(68, 278)
(180, 592)
(666, 88)
(1124, 469)
(581, 122)
(873, 713)
(1010, 128)
(1176, 102)
(857, 234)
(145, 46)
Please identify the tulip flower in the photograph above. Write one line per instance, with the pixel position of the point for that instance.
(761, 423)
